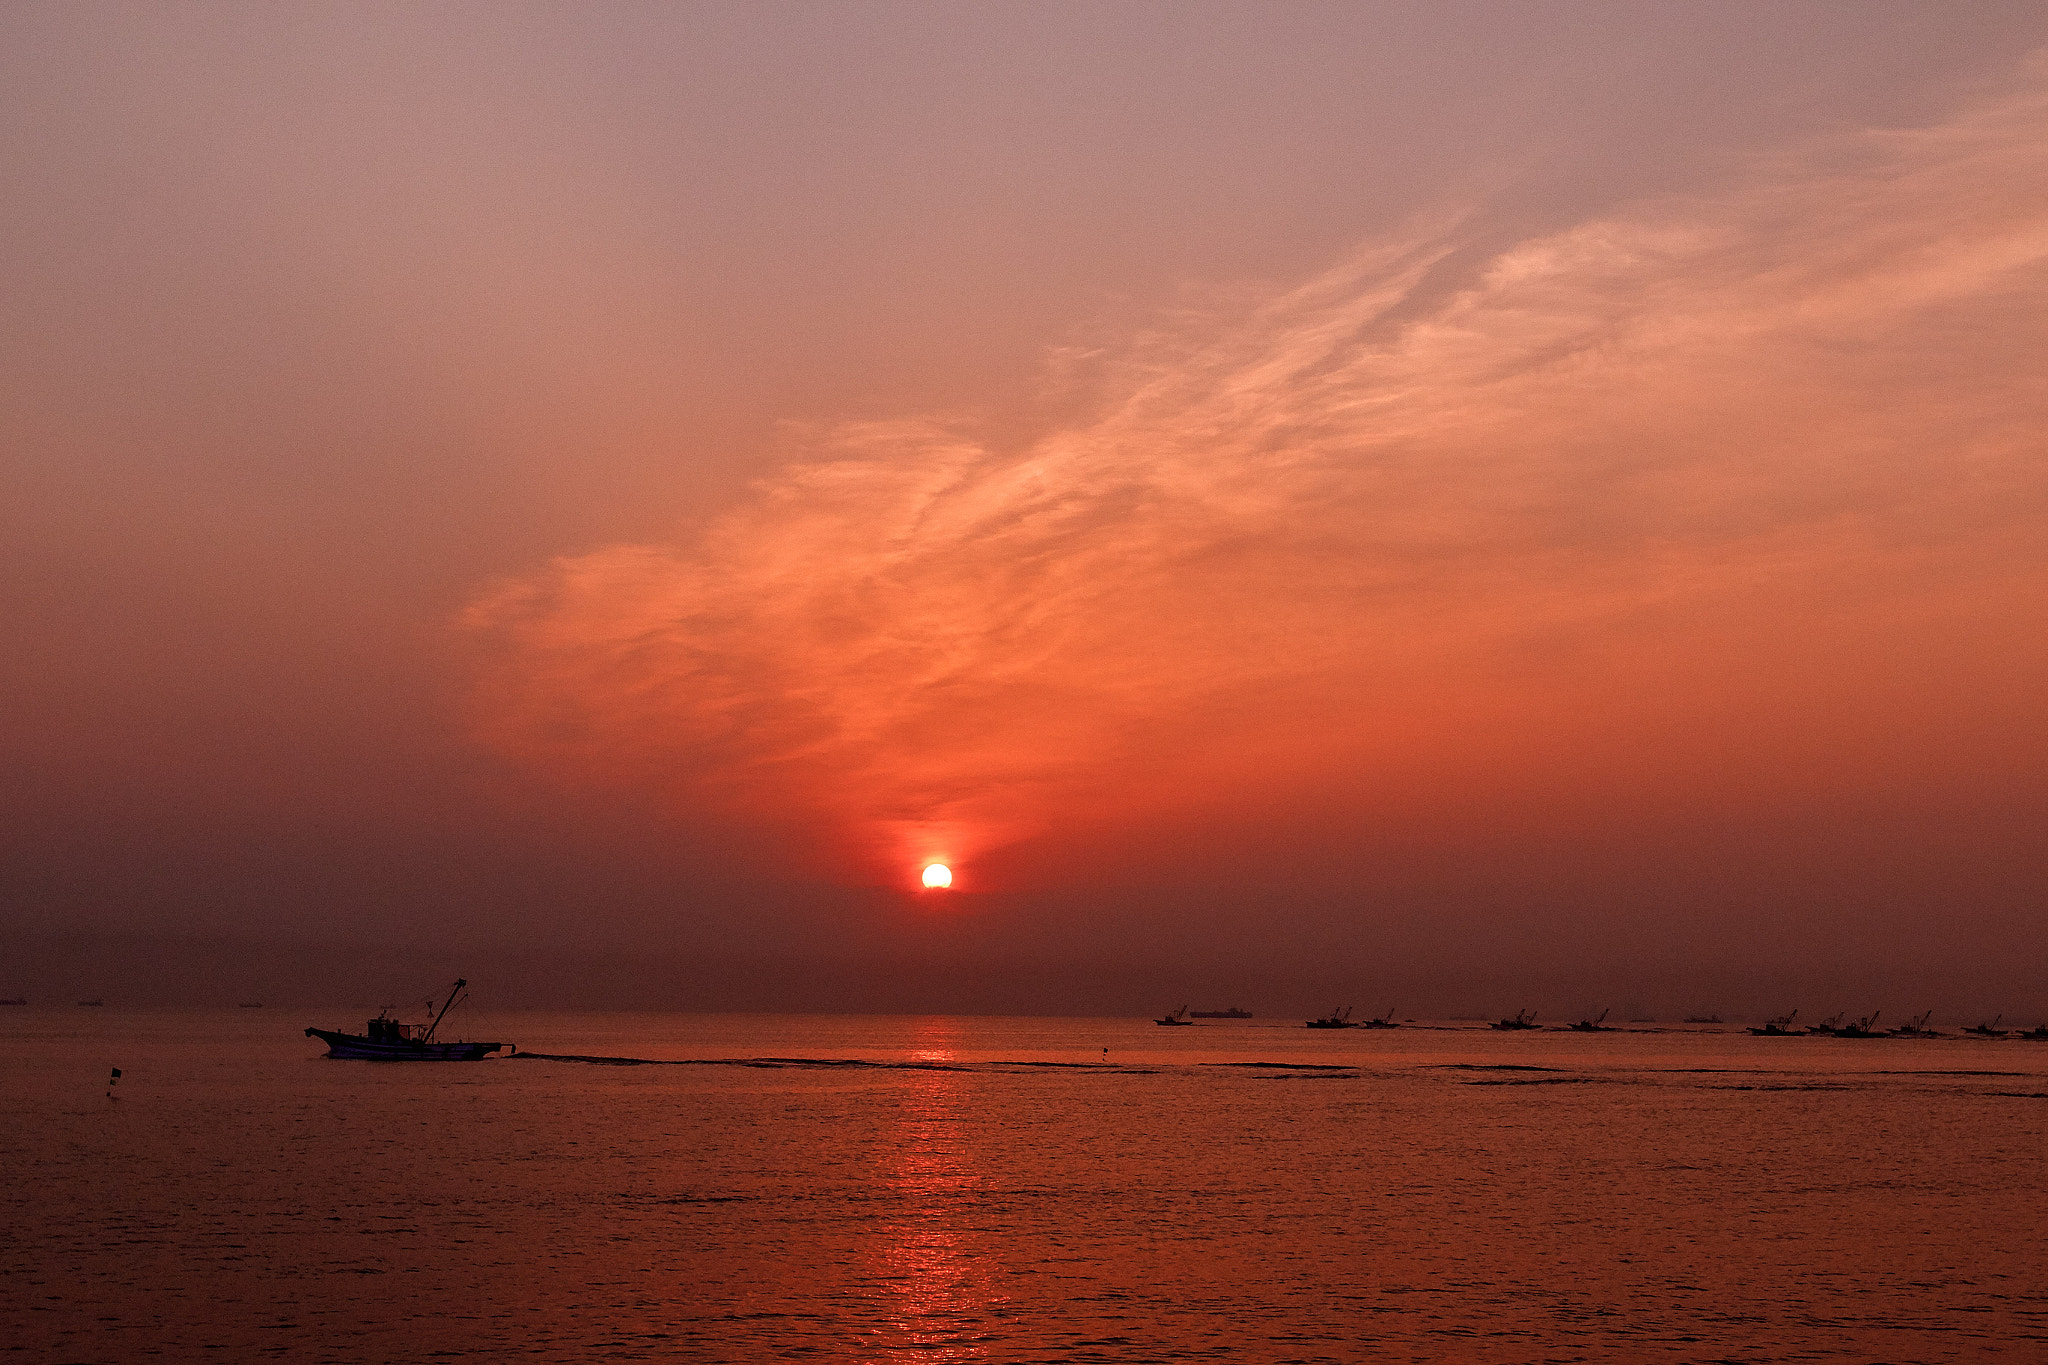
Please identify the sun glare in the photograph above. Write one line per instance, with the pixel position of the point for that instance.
(938, 876)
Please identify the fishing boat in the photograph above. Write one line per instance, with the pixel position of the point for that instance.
(1862, 1028)
(1917, 1028)
(1232, 1013)
(1990, 1030)
(1179, 1016)
(1702, 1018)
(1828, 1025)
(1593, 1025)
(1384, 1021)
(1523, 1019)
(1780, 1027)
(18, 1000)
(2037, 1034)
(385, 1039)
(1334, 1019)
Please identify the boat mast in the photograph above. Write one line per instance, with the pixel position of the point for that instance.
(449, 1005)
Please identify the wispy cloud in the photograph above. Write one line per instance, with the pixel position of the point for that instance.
(1816, 395)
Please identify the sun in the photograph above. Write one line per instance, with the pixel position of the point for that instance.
(938, 876)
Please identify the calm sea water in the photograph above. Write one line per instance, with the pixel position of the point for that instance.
(941, 1189)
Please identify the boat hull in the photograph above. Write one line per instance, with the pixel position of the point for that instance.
(357, 1047)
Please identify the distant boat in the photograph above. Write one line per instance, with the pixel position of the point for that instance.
(2037, 1034)
(1593, 1025)
(1232, 1013)
(250, 1005)
(1862, 1028)
(1828, 1025)
(1384, 1021)
(1702, 1018)
(1523, 1019)
(1780, 1027)
(1334, 1019)
(384, 1039)
(1916, 1028)
(1179, 1016)
(92, 1002)
(18, 1000)
(1990, 1030)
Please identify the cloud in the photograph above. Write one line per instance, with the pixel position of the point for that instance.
(1376, 524)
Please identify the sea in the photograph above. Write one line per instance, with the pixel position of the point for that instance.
(740, 1188)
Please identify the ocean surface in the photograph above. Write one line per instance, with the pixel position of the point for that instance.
(1015, 1190)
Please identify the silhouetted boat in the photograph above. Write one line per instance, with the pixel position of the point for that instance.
(1702, 1018)
(250, 1005)
(1334, 1019)
(2037, 1034)
(1179, 1016)
(1232, 1013)
(384, 1039)
(1384, 1021)
(1592, 1025)
(94, 1003)
(1828, 1025)
(1523, 1019)
(19, 1000)
(1916, 1028)
(1990, 1030)
(1862, 1028)
(1780, 1027)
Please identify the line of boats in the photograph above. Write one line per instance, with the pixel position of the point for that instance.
(1336, 1018)
(387, 1039)
(1784, 1026)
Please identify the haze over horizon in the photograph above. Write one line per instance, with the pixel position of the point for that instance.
(1460, 506)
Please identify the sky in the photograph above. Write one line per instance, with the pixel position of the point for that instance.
(1505, 505)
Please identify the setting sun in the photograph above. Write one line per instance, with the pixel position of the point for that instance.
(938, 876)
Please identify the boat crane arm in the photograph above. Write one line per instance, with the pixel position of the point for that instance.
(453, 996)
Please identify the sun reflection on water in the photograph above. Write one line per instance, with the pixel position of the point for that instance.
(935, 1274)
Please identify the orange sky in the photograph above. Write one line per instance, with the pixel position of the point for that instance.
(1659, 504)
(1352, 478)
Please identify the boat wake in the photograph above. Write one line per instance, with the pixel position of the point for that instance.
(830, 1063)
